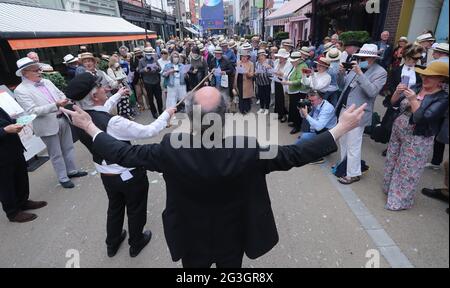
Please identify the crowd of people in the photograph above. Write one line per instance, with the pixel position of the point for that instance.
(314, 90)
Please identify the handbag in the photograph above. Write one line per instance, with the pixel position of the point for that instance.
(224, 81)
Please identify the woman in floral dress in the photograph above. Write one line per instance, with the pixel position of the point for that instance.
(413, 134)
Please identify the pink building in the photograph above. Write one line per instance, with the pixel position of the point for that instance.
(292, 17)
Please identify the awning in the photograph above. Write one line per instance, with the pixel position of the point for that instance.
(191, 30)
(32, 27)
(288, 9)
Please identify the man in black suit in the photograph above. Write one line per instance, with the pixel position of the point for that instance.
(14, 188)
(218, 206)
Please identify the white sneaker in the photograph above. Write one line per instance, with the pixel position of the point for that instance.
(260, 111)
(257, 102)
(432, 166)
(266, 112)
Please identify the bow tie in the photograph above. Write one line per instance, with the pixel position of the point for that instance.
(39, 84)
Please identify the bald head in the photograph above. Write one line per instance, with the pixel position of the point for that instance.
(208, 98)
(210, 103)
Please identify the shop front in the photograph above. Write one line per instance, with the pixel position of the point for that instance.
(35, 29)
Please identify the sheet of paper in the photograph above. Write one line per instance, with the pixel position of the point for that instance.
(240, 70)
(186, 68)
(9, 104)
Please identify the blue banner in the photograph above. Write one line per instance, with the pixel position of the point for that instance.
(212, 14)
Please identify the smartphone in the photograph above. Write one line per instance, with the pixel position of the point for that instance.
(306, 70)
(405, 80)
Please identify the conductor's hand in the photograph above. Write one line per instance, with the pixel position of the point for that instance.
(13, 128)
(171, 111)
(82, 120)
(348, 121)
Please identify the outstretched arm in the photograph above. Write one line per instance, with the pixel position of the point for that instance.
(292, 156)
(111, 149)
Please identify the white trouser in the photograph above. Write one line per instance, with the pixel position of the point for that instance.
(350, 145)
(174, 94)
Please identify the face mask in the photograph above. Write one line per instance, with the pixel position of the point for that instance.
(364, 64)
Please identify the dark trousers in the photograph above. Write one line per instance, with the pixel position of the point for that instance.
(264, 96)
(154, 92)
(201, 260)
(131, 194)
(280, 106)
(294, 114)
(245, 105)
(438, 153)
(14, 188)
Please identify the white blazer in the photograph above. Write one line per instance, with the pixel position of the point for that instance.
(33, 101)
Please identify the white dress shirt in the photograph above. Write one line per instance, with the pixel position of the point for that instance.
(126, 130)
(318, 81)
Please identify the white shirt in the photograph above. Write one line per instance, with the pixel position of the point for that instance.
(162, 63)
(126, 130)
(411, 73)
(318, 81)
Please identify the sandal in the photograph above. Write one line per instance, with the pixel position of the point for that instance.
(348, 181)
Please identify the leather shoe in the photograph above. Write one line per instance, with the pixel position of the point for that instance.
(33, 205)
(384, 153)
(68, 185)
(78, 174)
(112, 250)
(435, 194)
(283, 119)
(295, 131)
(23, 217)
(135, 250)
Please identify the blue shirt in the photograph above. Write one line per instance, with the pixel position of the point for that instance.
(230, 55)
(322, 117)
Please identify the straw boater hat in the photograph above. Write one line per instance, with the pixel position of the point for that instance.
(218, 50)
(368, 51)
(287, 42)
(137, 50)
(246, 46)
(403, 39)
(323, 61)
(327, 47)
(244, 53)
(262, 51)
(334, 55)
(436, 68)
(105, 57)
(425, 37)
(295, 56)
(149, 51)
(24, 63)
(201, 47)
(441, 47)
(86, 55)
(69, 58)
(223, 43)
(232, 44)
(305, 51)
(282, 53)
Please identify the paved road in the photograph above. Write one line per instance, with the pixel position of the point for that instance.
(320, 222)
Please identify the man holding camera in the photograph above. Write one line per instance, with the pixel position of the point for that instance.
(319, 116)
(361, 85)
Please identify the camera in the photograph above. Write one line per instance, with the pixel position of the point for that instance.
(347, 66)
(304, 103)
